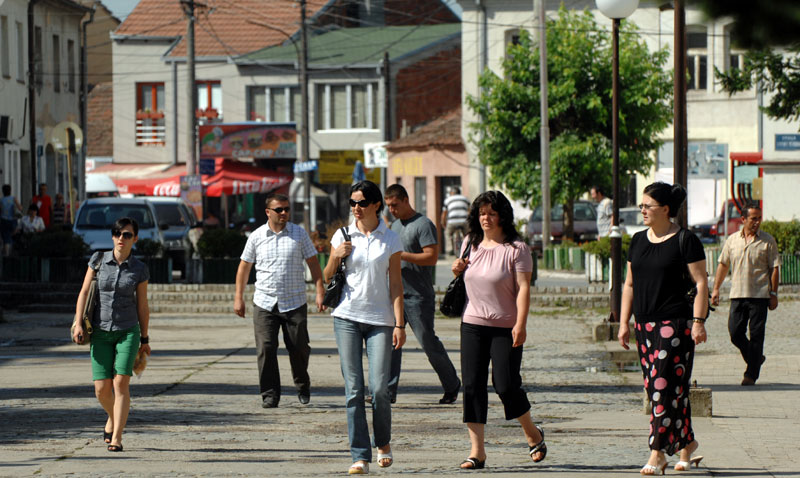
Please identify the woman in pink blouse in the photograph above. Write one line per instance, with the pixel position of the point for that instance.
(497, 275)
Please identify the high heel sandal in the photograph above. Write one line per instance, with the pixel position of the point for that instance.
(107, 436)
(540, 447)
(687, 465)
(652, 470)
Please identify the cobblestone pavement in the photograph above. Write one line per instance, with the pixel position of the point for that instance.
(196, 410)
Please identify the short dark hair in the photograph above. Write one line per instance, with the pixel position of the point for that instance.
(502, 206)
(33, 207)
(6, 190)
(598, 190)
(275, 197)
(396, 191)
(121, 223)
(670, 195)
(749, 205)
(455, 189)
(371, 192)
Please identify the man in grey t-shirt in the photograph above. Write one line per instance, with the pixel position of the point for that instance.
(420, 252)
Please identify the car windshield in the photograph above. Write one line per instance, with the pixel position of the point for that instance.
(631, 217)
(103, 216)
(170, 213)
(581, 211)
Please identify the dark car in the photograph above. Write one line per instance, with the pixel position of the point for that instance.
(584, 227)
(175, 218)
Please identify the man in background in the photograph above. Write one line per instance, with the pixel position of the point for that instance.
(454, 218)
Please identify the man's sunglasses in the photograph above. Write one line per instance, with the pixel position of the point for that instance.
(279, 210)
(125, 235)
(362, 203)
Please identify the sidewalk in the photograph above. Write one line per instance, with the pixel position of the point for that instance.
(196, 410)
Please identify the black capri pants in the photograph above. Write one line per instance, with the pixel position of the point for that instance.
(481, 344)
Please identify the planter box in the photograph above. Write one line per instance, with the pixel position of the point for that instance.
(64, 270)
(790, 269)
(596, 268)
(22, 269)
(160, 270)
(220, 271)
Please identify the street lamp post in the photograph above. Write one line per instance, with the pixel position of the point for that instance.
(616, 10)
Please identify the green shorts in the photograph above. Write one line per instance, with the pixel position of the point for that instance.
(113, 353)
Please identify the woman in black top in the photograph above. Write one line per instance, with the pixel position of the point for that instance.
(666, 327)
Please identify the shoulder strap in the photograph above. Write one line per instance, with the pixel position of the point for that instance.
(681, 245)
(465, 254)
(345, 234)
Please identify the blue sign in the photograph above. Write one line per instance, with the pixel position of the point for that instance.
(207, 166)
(787, 142)
(305, 166)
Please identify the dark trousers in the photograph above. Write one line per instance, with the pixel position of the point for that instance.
(294, 323)
(752, 313)
(419, 315)
(479, 346)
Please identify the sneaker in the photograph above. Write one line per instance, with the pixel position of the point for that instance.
(269, 402)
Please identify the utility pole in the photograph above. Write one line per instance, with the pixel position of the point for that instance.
(544, 130)
(680, 140)
(191, 90)
(387, 112)
(304, 105)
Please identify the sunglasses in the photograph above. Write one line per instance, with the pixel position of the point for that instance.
(362, 203)
(125, 235)
(279, 210)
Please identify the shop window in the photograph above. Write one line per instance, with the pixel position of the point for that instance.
(150, 123)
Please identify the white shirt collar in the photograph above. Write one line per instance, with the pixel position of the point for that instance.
(381, 229)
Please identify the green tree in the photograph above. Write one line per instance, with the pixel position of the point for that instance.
(579, 66)
(757, 24)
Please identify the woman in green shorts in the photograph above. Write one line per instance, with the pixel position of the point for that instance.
(120, 325)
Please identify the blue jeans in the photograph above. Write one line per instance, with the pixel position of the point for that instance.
(418, 313)
(350, 339)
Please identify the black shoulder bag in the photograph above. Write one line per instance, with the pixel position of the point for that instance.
(691, 287)
(333, 291)
(455, 299)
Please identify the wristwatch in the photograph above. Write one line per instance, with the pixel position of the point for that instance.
(773, 293)
(144, 340)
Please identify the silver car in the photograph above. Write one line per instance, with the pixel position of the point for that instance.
(96, 217)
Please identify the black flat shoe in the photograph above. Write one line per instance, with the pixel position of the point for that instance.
(107, 436)
(475, 464)
(540, 447)
(114, 447)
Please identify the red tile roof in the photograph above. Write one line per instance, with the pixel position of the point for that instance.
(100, 121)
(444, 131)
(224, 27)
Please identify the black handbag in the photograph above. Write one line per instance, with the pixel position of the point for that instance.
(333, 291)
(455, 298)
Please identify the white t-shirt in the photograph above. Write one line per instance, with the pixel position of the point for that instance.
(366, 297)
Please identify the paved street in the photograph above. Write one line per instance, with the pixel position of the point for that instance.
(196, 410)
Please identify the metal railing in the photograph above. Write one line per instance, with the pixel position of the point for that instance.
(148, 133)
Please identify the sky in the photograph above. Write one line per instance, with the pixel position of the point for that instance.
(121, 8)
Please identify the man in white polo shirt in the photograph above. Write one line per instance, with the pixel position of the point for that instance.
(278, 249)
(454, 217)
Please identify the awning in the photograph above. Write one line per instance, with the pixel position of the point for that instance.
(231, 177)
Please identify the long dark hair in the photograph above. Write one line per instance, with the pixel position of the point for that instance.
(502, 206)
(371, 192)
(670, 195)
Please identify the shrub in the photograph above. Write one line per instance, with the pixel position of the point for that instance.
(786, 234)
(220, 244)
(602, 247)
(324, 243)
(52, 243)
(148, 248)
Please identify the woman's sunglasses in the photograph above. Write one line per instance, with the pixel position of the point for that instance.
(125, 235)
(362, 203)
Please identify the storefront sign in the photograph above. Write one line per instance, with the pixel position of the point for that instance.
(336, 167)
(248, 140)
(305, 166)
(375, 155)
(192, 193)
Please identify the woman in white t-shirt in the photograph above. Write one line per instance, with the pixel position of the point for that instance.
(369, 314)
(493, 324)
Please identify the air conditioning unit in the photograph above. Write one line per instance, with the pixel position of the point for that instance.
(6, 123)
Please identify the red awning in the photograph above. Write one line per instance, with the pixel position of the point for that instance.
(231, 178)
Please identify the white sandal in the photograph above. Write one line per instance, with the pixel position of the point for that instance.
(653, 470)
(385, 456)
(687, 465)
(359, 468)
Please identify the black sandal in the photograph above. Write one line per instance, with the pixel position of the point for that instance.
(540, 447)
(107, 436)
(114, 447)
(476, 464)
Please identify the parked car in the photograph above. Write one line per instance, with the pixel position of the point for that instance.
(96, 216)
(179, 219)
(631, 221)
(584, 227)
(734, 220)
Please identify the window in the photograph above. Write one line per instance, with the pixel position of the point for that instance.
(735, 57)
(209, 101)
(20, 53)
(56, 63)
(512, 37)
(150, 124)
(697, 58)
(347, 106)
(37, 56)
(71, 66)
(5, 52)
(277, 104)
(421, 195)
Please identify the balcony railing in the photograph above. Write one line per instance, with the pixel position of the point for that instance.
(148, 133)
